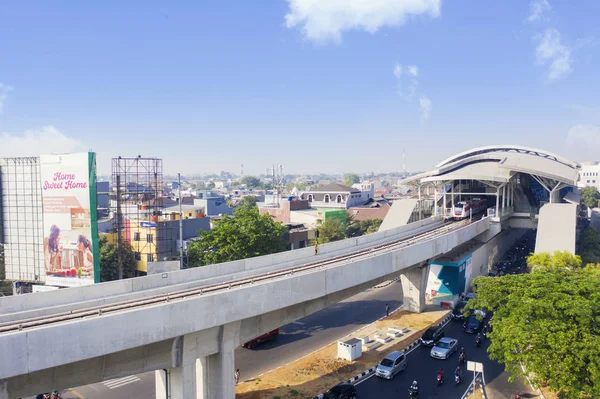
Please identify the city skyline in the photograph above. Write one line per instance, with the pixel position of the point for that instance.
(346, 87)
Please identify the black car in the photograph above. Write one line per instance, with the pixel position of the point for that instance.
(472, 325)
(457, 311)
(432, 336)
(341, 391)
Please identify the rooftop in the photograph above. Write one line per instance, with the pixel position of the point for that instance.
(333, 188)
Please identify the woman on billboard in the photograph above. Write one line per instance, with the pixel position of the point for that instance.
(53, 251)
(83, 244)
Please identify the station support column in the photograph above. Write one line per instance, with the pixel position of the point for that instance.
(200, 377)
(414, 286)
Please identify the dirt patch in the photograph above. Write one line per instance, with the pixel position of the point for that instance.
(475, 395)
(318, 372)
(548, 393)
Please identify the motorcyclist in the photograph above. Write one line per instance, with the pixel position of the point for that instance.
(440, 374)
(462, 355)
(458, 373)
(485, 331)
(414, 388)
(478, 339)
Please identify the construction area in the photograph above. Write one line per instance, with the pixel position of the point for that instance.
(319, 371)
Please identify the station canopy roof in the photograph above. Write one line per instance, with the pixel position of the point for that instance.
(497, 164)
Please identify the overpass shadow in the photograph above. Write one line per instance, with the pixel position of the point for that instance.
(343, 314)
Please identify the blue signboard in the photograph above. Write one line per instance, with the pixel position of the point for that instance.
(148, 225)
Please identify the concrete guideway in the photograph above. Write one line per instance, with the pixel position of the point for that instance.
(198, 347)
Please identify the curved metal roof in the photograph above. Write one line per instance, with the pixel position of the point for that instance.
(509, 148)
(499, 163)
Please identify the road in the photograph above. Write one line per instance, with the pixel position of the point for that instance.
(296, 339)
(423, 368)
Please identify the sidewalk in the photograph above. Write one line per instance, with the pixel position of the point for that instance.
(321, 370)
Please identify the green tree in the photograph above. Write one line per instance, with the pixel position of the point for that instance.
(210, 185)
(248, 202)
(251, 182)
(244, 235)
(356, 228)
(331, 230)
(351, 178)
(549, 322)
(109, 260)
(562, 260)
(589, 246)
(590, 196)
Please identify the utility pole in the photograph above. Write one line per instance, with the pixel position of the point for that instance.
(180, 225)
(119, 231)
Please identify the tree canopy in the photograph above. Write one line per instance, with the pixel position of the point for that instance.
(248, 202)
(244, 235)
(560, 259)
(351, 178)
(590, 196)
(109, 260)
(356, 228)
(251, 182)
(331, 230)
(547, 321)
(589, 246)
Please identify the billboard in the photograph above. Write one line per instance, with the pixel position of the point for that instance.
(71, 253)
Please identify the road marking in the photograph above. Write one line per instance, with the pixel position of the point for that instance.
(119, 382)
(74, 392)
(298, 322)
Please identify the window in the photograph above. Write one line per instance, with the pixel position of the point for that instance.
(138, 256)
(338, 199)
(310, 198)
(326, 199)
(150, 257)
(588, 181)
(136, 236)
(149, 238)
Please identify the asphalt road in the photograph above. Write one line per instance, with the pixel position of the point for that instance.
(296, 339)
(423, 368)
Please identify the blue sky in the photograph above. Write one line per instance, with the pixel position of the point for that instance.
(315, 85)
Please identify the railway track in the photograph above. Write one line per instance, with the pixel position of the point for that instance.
(183, 294)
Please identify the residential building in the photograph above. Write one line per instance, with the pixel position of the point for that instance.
(336, 195)
(214, 206)
(376, 208)
(298, 236)
(282, 213)
(589, 174)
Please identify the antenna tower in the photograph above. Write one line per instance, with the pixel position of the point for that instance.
(404, 163)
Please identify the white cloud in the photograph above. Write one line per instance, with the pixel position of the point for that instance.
(426, 106)
(325, 20)
(397, 71)
(537, 8)
(551, 51)
(4, 90)
(585, 138)
(411, 72)
(46, 140)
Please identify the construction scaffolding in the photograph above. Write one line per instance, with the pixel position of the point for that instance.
(21, 230)
(136, 206)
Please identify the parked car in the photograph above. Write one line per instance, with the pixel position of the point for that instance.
(457, 312)
(472, 325)
(444, 348)
(270, 336)
(391, 365)
(344, 390)
(432, 336)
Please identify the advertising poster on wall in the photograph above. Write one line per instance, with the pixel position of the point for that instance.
(71, 253)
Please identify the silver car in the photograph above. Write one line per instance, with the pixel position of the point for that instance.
(391, 365)
(444, 348)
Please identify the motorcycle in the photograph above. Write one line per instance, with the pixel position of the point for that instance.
(457, 379)
(413, 393)
(440, 379)
(478, 341)
(517, 396)
(462, 358)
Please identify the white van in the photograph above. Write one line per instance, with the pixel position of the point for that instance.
(391, 365)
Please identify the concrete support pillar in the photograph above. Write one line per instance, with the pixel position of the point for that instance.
(3, 390)
(503, 197)
(452, 199)
(414, 285)
(161, 384)
(435, 202)
(186, 381)
(444, 206)
(497, 200)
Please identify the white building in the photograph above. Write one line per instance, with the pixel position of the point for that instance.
(336, 195)
(589, 174)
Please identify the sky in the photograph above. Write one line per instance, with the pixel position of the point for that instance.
(315, 85)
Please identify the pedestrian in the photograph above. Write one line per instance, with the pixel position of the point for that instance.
(316, 247)
(237, 376)
(387, 309)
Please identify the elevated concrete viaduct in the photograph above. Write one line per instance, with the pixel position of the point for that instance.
(192, 336)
